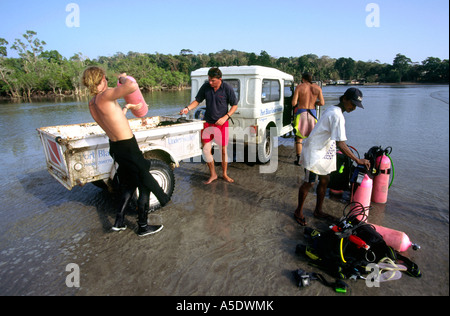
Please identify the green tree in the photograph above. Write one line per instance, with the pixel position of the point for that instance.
(264, 59)
(307, 63)
(252, 59)
(56, 78)
(186, 52)
(5, 71)
(401, 65)
(324, 68)
(33, 67)
(345, 67)
(3, 50)
(31, 49)
(73, 69)
(52, 56)
(431, 68)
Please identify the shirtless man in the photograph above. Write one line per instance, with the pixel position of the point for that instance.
(306, 96)
(133, 171)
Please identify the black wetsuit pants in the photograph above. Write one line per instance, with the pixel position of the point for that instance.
(133, 172)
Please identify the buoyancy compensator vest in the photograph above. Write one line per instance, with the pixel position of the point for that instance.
(340, 178)
(346, 249)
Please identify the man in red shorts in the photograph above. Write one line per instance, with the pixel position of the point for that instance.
(218, 96)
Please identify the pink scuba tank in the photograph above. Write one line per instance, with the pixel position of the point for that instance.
(395, 239)
(362, 195)
(381, 180)
(136, 98)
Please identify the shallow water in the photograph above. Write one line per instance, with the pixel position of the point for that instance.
(222, 239)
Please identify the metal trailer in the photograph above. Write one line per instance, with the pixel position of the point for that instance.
(79, 154)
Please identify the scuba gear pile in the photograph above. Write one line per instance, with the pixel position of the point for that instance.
(347, 248)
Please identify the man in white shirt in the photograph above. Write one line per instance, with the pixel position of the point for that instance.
(319, 152)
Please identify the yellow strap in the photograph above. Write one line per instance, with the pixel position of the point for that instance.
(342, 253)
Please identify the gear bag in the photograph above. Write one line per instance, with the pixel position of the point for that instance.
(347, 248)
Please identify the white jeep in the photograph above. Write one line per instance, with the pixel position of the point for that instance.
(264, 108)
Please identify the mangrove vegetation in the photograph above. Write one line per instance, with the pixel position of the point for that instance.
(39, 72)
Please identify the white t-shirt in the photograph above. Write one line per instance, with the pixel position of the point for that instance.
(319, 149)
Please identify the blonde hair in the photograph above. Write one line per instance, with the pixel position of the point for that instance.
(92, 77)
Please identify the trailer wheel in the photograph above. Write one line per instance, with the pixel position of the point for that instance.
(160, 170)
(265, 148)
(164, 175)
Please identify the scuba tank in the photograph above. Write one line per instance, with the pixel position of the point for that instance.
(361, 196)
(381, 178)
(395, 239)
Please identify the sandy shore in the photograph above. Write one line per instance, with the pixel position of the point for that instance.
(221, 239)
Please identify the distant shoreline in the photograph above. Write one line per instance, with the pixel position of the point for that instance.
(393, 84)
(52, 96)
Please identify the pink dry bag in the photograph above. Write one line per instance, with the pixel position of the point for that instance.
(136, 98)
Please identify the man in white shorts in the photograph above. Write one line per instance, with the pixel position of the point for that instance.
(319, 152)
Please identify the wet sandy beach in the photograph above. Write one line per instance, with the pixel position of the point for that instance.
(224, 239)
(218, 240)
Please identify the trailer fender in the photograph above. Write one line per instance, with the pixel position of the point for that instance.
(161, 153)
(149, 152)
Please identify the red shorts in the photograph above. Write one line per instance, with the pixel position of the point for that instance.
(217, 132)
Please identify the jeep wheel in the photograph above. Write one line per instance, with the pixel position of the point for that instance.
(265, 148)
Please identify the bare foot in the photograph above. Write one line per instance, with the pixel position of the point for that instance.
(227, 178)
(211, 179)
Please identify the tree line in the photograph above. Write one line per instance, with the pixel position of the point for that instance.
(39, 72)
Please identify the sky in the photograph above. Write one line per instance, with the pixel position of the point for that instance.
(366, 30)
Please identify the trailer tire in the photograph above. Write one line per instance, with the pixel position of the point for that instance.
(163, 174)
(265, 148)
(160, 170)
